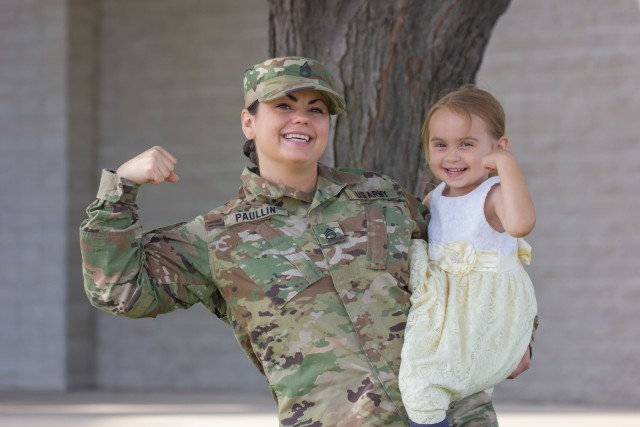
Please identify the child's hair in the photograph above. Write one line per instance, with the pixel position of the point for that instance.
(468, 100)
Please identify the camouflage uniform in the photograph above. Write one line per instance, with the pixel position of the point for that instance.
(314, 286)
(473, 411)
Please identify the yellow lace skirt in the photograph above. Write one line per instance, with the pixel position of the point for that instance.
(468, 327)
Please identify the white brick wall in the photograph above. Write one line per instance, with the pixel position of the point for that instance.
(567, 74)
(33, 193)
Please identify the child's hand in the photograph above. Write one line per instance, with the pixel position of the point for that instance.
(492, 161)
(154, 166)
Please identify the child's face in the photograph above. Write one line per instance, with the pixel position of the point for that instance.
(456, 148)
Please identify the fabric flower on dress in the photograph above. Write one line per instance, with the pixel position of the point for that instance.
(458, 258)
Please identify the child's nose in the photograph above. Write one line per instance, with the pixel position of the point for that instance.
(452, 154)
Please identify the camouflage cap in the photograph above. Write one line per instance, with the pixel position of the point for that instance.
(277, 77)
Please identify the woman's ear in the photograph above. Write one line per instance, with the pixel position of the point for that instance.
(503, 143)
(247, 120)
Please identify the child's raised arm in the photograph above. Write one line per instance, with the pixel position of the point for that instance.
(509, 204)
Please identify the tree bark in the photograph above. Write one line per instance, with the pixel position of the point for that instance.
(392, 60)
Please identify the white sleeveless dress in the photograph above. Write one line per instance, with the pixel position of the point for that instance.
(473, 306)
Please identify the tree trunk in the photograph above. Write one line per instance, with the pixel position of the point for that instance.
(392, 60)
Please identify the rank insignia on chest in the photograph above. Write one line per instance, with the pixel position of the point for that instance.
(329, 234)
(253, 215)
(371, 194)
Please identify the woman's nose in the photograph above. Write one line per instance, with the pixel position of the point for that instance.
(301, 117)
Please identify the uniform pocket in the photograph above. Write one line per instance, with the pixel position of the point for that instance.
(376, 238)
(279, 267)
(389, 230)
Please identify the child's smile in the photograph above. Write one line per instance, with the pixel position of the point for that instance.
(457, 144)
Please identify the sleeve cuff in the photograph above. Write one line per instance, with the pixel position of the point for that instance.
(114, 188)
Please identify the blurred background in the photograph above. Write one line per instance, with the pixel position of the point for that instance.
(87, 84)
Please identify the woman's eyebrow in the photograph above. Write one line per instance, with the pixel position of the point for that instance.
(313, 101)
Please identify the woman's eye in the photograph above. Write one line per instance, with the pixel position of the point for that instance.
(317, 110)
(283, 106)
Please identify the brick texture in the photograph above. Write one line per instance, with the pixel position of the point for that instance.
(566, 73)
(33, 185)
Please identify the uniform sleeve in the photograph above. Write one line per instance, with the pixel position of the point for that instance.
(131, 273)
(536, 321)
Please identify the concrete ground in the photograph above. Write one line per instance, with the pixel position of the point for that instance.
(142, 409)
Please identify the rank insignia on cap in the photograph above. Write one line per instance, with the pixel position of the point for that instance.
(305, 70)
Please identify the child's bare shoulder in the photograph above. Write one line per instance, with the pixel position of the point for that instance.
(427, 199)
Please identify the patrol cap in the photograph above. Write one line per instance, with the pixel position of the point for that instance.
(277, 77)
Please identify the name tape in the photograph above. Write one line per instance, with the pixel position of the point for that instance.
(371, 194)
(254, 215)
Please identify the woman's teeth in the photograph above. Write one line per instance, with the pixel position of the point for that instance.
(298, 136)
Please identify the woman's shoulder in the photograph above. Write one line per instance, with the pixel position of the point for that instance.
(364, 174)
(216, 217)
(373, 184)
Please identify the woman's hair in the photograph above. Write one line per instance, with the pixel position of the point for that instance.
(468, 100)
(249, 147)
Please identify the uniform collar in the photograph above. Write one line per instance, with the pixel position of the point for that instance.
(330, 182)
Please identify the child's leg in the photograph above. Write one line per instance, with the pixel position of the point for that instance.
(443, 423)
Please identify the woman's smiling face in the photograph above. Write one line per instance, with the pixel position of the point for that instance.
(289, 131)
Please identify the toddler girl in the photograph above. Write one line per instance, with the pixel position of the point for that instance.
(473, 305)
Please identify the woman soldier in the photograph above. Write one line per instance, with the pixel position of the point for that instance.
(308, 264)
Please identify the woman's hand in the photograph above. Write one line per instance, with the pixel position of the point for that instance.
(524, 364)
(154, 166)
